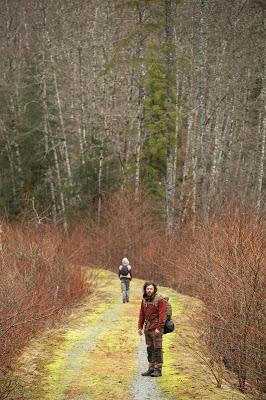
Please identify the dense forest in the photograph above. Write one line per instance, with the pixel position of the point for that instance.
(98, 97)
(137, 127)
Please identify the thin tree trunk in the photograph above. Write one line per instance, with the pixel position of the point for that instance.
(263, 130)
(58, 99)
(178, 121)
(202, 111)
(170, 106)
(62, 123)
(228, 149)
(187, 166)
(59, 180)
(141, 96)
(215, 156)
(100, 174)
(94, 58)
(47, 149)
(83, 140)
(50, 138)
(216, 129)
(10, 159)
(194, 157)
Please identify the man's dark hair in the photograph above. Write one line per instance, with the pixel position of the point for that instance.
(146, 284)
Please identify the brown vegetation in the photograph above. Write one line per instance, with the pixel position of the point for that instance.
(222, 262)
(39, 279)
(226, 262)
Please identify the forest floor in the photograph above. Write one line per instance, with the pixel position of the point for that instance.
(95, 353)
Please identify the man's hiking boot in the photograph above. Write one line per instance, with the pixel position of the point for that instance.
(148, 373)
(156, 373)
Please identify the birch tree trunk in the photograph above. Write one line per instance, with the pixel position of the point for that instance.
(262, 161)
(100, 175)
(14, 96)
(48, 137)
(202, 110)
(194, 157)
(219, 117)
(263, 128)
(47, 148)
(58, 100)
(188, 166)
(59, 180)
(62, 123)
(76, 114)
(228, 150)
(104, 112)
(141, 96)
(83, 140)
(94, 58)
(169, 63)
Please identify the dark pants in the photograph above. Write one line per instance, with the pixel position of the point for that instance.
(154, 349)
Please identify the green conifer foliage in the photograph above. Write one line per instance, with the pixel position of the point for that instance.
(156, 121)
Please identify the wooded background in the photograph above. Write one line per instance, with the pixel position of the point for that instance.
(102, 96)
(135, 128)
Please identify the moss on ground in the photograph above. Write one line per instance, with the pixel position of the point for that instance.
(185, 373)
(112, 364)
(93, 354)
(80, 358)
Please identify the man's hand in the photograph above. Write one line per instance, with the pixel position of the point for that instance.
(157, 332)
(140, 332)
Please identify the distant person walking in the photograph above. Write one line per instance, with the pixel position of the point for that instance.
(152, 318)
(125, 276)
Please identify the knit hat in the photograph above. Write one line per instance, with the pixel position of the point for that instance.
(125, 261)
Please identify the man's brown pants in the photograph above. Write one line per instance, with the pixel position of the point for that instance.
(154, 349)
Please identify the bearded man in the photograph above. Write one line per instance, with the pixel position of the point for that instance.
(152, 318)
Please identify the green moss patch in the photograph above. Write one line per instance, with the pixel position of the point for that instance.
(185, 373)
(112, 364)
(93, 353)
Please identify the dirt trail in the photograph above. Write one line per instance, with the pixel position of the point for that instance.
(97, 354)
(77, 356)
(145, 388)
(88, 357)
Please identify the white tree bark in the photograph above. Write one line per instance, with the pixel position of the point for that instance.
(194, 152)
(83, 140)
(202, 110)
(141, 96)
(170, 180)
(47, 148)
(62, 123)
(263, 130)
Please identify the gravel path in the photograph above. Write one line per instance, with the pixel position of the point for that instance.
(77, 355)
(145, 388)
(65, 374)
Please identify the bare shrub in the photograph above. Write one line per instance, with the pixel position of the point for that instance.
(39, 279)
(125, 229)
(227, 263)
(222, 263)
